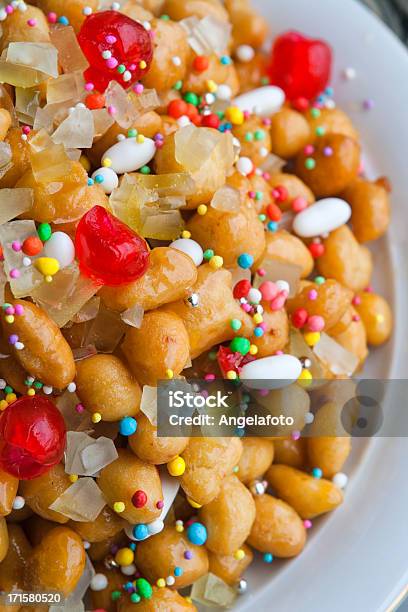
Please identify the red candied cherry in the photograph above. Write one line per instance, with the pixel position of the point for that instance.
(32, 437)
(116, 47)
(301, 66)
(109, 251)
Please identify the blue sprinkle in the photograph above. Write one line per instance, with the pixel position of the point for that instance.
(132, 546)
(240, 432)
(197, 534)
(272, 226)
(329, 91)
(268, 558)
(63, 20)
(127, 426)
(178, 571)
(258, 332)
(140, 532)
(317, 473)
(245, 261)
(90, 182)
(225, 60)
(99, 179)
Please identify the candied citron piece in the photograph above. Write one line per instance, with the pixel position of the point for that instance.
(50, 164)
(173, 184)
(208, 35)
(51, 115)
(70, 55)
(163, 225)
(14, 202)
(133, 316)
(129, 199)
(125, 112)
(27, 103)
(106, 331)
(76, 131)
(40, 56)
(148, 403)
(145, 102)
(5, 158)
(82, 501)
(213, 592)
(102, 122)
(226, 199)
(18, 231)
(339, 360)
(66, 295)
(65, 87)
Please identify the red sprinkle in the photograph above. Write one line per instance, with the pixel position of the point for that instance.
(280, 193)
(95, 101)
(32, 246)
(177, 108)
(316, 249)
(241, 289)
(211, 121)
(274, 212)
(299, 318)
(201, 63)
(139, 499)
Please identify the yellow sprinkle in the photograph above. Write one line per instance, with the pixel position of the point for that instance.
(119, 507)
(257, 318)
(3, 404)
(188, 599)
(96, 417)
(47, 266)
(305, 378)
(312, 338)
(239, 554)
(85, 163)
(235, 115)
(73, 477)
(31, 392)
(124, 557)
(193, 504)
(142, 65)
(140, 138)
(9, 318)
(231, 375)
(179, 528)
(11, 397)
(253, 349)
(106, 163)
(177, 466)
(212, 86)
(161, 583)
(202, 209)
(216, 262)
(186, 234)
(169, 374)
(48, 279)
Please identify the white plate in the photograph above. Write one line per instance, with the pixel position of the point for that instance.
(356, 558)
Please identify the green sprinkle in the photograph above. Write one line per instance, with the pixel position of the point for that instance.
(240, 345)
(135, 598)
(165, 17)
(310, 163)
(249, 137)
(44, 231)
(121, 68)
(259, 135)
(8, 389)
(235, 469)
(262, 218)
(144, 588)
(145, 170)
(236, 324)
(6, 305)
(258, 196)
(265, 81)
(321, 130)
(132, 133)
(28, 383)
(37, 384)
(319, 280)
(220, 115)
(115, 595)
(212, 355)
(191, 98)
(315, 112)
(208, 254)
(178, 85)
